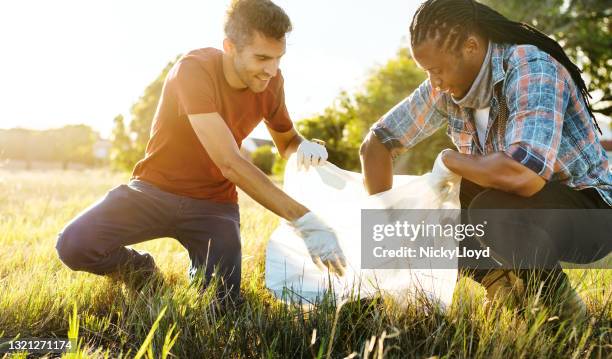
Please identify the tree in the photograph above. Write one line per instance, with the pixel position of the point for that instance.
(72, 143)
(263, 158)
(122, 155)
(344, 124)
(19, 144)
(278, 168)
(142, 113)
(582, 27)
(333, 127)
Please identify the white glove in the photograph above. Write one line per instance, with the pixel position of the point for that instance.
(310, 154)
(321, 242)
(441, 176)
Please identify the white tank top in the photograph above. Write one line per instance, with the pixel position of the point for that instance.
(482, 120)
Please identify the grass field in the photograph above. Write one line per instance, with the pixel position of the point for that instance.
(38, 295)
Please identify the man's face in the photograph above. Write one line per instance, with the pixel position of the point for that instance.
(449, 71)
(257, 63)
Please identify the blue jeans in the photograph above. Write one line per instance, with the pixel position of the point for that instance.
(95, 240)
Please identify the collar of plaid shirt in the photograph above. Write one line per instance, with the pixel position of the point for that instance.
(480, 93)
(498, 106)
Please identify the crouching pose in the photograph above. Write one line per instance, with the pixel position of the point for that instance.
(517, 110)
(185, 186)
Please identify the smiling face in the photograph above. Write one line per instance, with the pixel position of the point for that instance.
(451, 71)
(256, 63)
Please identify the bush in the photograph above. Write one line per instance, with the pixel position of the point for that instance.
(279, 166)
(263, 158)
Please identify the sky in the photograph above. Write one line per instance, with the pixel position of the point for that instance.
(67, 61)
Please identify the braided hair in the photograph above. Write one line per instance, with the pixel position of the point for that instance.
(450, 22)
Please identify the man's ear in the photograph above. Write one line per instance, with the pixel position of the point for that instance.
(229, 47)
(472, 45)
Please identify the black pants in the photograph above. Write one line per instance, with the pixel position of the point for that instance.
(95, 241)
(533, 241)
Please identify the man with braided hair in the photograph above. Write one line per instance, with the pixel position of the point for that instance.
(517, 110)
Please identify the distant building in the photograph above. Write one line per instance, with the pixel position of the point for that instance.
(101, 149)
(250, 144)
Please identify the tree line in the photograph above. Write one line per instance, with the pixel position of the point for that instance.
(68, 144)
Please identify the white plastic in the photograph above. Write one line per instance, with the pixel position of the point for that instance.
(338, 197)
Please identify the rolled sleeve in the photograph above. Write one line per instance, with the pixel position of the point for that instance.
(536, 96)
(412, 120)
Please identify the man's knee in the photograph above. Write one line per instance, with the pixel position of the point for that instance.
(72, 246)
(490, 198)
(550, 196)
(493, 199)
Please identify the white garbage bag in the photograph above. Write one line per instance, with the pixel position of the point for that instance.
(338, 196)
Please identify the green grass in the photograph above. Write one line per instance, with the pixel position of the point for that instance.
(40, 297)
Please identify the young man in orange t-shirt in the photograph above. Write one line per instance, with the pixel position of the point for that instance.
(185, 186)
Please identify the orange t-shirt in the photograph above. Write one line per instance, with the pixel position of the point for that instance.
(175, 160)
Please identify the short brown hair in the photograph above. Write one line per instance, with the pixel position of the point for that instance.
(245, 17)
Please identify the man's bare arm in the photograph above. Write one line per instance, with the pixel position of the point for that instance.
(286, 142)
(497, 170)
(376, 164)
(218, 141)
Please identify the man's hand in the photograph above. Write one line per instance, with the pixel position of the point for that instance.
(310, 153)
(441, 176)
(321, 242)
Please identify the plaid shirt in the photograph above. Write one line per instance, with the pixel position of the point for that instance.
(547, 127)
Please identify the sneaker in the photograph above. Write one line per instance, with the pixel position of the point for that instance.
(503, 285)
(142, 274)
(560, 297)
(571, 306)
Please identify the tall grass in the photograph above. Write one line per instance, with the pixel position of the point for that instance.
(40, 297)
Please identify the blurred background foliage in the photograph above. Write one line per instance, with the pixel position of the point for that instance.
(584, 30)
(582, 27)
(65, 145)
(263, 157)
